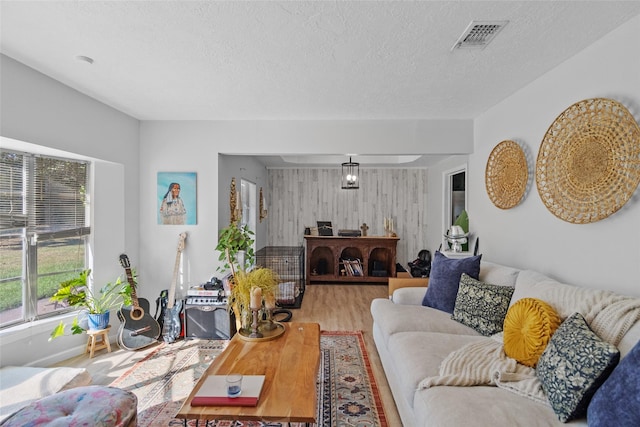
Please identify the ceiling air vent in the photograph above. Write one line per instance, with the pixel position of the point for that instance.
(478, 34)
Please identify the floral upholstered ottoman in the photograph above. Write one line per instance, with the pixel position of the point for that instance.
(96, 406)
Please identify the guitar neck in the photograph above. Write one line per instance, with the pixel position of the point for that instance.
(132, 283)
(171, 297)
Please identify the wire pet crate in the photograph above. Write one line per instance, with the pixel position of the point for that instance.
(288, 263)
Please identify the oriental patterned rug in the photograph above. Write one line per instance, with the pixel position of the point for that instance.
(347, 392)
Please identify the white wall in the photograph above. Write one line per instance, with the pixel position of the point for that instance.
(41, 111)
(435, 223)
(605, 254)
(248, 168)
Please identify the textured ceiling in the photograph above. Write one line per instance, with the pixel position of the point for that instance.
(229, 60)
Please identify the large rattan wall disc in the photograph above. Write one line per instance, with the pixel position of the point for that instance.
(588, 165)
(506, 174)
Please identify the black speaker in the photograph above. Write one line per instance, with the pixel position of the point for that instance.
(208, 322)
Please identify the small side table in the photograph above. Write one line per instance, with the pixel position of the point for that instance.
(94, 343)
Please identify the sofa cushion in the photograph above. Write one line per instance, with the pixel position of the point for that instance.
(617, 401)
(392, 318)
(479, 406)
(481, 306)
(498, 274)
(565, 299)
(445, 278)
(575, 363)
(528, 327)
(418, 355)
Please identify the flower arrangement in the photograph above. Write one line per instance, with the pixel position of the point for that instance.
(241, 288)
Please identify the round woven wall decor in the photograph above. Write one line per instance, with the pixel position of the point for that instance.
(588, 165)
(506, 174)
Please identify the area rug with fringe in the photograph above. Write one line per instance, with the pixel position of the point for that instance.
(347, 391)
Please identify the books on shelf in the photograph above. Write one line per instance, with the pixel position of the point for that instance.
(353, 267)
(214, 392)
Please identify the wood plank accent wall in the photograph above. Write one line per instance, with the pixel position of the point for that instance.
(300, 197)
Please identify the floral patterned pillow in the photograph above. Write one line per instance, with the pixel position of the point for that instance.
(481, 306)
(574, 364)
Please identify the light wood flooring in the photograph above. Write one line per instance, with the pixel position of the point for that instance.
(334, 307)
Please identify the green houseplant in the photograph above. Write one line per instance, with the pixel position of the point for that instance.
(76, 293)
(233, 241)
(235, 244)
(463, 221)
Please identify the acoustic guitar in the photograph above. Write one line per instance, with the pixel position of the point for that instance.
(138, 328)
(171, 324)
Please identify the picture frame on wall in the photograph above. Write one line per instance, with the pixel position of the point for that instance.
(176, 198)
(325, 228)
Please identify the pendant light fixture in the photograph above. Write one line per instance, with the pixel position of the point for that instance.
(350, 175)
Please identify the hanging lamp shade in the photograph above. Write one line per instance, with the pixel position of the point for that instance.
(350, 175)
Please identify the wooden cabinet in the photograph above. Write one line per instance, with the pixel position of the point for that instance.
(325, 257)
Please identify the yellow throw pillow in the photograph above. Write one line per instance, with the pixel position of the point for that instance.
(528, 327)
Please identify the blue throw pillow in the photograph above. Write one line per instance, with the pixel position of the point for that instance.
(617, 401)
(573, 366)
(445, 279)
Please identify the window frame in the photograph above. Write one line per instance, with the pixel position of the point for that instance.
(447, 194)
(34, 234)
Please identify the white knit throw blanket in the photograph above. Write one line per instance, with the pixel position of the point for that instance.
(484, 362)
(610, 315)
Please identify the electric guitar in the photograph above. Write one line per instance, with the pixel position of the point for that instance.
(171, 320)
(138, 328)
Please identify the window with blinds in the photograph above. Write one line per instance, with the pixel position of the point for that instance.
(44, 229)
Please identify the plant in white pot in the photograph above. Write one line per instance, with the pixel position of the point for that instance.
(96, 305)
(235, 244)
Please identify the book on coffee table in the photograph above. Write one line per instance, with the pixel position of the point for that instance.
(214, 392)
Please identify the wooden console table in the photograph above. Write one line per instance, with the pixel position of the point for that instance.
(325, 255)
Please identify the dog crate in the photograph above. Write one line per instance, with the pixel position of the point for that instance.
(288, 263)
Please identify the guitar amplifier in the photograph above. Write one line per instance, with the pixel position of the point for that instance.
(207, 318)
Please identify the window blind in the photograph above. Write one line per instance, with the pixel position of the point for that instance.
(45, 195)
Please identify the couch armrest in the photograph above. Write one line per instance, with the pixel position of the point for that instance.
(409, 296)
(406, 282)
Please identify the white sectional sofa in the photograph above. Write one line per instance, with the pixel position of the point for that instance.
(413, 341)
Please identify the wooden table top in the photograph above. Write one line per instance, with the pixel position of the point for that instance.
(290, 365)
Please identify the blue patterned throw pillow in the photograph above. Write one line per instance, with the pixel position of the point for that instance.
(445, 279)
(617, 401)
(481, 306)
(574, 364)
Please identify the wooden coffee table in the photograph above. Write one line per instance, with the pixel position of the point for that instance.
(290, 365)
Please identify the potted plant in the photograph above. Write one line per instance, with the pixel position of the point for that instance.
(96, 305)
(240, 298)
(235, 244)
